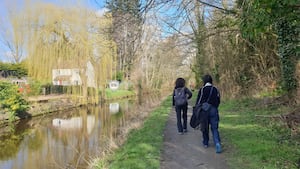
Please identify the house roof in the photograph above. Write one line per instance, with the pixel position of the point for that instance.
(63, 78)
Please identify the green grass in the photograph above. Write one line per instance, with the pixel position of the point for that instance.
(117, 94)
(257, 142)
(248, 141)
(143, 146)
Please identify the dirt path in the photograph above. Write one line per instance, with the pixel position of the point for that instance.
(186, 151)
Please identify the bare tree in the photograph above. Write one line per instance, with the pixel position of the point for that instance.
(160, 59)
(13, 36)
(126, 31)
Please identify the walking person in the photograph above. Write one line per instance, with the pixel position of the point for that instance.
(181, 94)
(209, 93)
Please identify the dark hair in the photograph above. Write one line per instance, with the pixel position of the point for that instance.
(180, 82)
(207, 79)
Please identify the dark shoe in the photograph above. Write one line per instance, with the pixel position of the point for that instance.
(218, 148)
(185, 130)
(205, 145)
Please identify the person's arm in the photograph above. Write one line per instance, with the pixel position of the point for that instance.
(173, 100)
(188, 92)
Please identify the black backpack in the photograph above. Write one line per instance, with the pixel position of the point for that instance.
(180, 97)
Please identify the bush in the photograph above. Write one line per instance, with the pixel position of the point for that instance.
(11, 100)
(119, 76)
(35, 88)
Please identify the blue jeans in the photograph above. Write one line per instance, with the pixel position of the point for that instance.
(181, 112)
(213, 122)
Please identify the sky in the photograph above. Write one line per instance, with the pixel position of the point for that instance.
(6, 5)
(96, 5)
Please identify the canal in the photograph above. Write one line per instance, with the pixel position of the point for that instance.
(71, 139)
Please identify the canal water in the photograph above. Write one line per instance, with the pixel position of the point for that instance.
(71, 139)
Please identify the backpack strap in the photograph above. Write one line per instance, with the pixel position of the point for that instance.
(210, 93)
(202, 94)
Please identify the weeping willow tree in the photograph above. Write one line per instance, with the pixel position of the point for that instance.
(105, 50)
(70, 39)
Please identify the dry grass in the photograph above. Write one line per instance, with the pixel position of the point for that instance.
(134, 122)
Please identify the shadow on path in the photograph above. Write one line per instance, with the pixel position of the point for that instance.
(186, 151)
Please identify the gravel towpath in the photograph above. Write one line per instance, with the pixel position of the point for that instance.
(186, 151)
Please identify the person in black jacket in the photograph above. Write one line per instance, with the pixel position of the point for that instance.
(213, 113)
(181, 110)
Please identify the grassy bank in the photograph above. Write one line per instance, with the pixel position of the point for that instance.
(251, 139)
(117, 94)
(254, 139)
(142, 148)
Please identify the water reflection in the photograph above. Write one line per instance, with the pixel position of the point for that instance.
(114, 108)
(69, 139)
(74, 123)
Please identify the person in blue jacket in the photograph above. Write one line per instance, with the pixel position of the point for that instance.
(213, 113)
(181, 110)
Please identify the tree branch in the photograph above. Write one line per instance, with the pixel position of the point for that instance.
(219, 8)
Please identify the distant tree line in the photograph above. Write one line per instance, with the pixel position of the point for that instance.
(249, 46)
(17, 70)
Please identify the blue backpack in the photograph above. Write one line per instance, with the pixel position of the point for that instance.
(180, 97)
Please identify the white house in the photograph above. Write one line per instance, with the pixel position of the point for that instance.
(70, 77)
(66, 77)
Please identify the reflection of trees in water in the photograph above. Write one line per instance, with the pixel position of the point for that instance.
(36, 139)
(11, 141)
(131, 115)
(9, 146)
(73, 138)
(149, 98)
(60, 135)
(100, 132)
